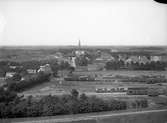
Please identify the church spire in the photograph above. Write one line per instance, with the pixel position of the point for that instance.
(79, 44)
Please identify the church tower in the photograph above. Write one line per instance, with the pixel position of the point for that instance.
(79, 45)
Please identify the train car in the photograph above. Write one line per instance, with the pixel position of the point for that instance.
(111, 90)
(86, 78)
(137, 91)
(79, 78)
(153, 92)
(101, 90)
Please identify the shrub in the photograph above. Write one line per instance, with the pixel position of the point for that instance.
(140, 103)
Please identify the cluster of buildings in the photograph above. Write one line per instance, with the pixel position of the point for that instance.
(98, 63)
(131, 58)
(45, 69)
(115, 56)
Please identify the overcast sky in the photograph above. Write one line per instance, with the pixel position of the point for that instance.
(94, 22)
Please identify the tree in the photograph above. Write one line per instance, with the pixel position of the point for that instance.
(83, 97)
(74, 93)
(16, 77)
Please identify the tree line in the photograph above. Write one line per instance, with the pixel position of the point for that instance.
(12, 105)
(31, 81)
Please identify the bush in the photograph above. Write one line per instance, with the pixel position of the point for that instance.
(140, 103)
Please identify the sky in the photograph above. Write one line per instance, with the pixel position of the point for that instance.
(94, 22)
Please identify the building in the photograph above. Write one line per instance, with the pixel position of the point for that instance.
(58, 55)
(9, 74)
(79, 52)
(104, 59)
(107, 57)
(31, 71)
(131, 59)
(143, 60)
(13, 67)
(122, 57)
(46, 69)
(72, 61)
(155, 58)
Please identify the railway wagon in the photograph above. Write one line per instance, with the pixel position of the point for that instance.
(137, 91)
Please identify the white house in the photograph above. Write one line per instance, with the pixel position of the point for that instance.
(31, 71)
(46, 69)
(9, 74)
(72, 62)
(155, 58)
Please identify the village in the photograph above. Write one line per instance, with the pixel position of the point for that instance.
(135, 79)
(82, 65)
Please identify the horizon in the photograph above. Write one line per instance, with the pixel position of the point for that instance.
(83, 45)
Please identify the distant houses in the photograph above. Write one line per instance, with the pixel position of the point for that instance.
(143, 60)
(9, 75)
(31, 71)
(45, 68)
(131, 59)
(155, 58)
(137, 59)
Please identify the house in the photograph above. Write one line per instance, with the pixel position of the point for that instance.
(155, 58)
(113, 50)
(131, 59)
(31, 71)
(72, 61)
(104, 58)
(13, 67)
(79, 53)
(46, 69)
(122, 57)
(143, 60)
(9, 74)
(58, 55)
